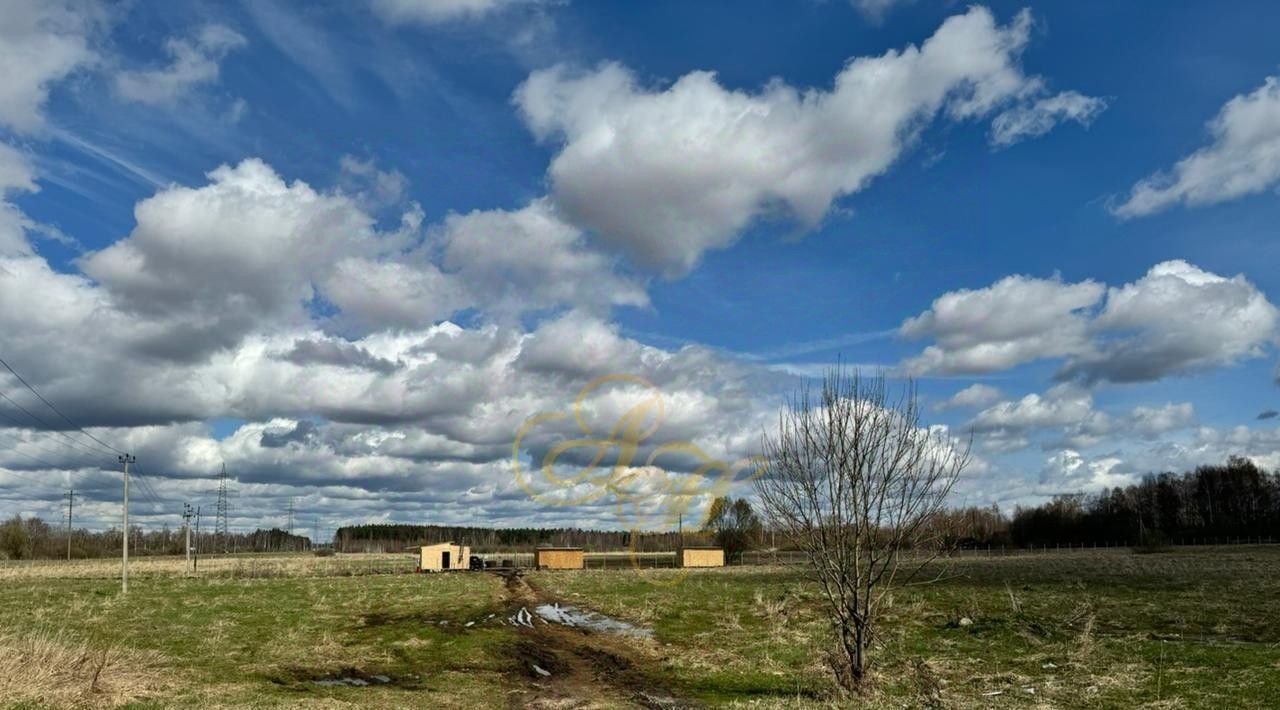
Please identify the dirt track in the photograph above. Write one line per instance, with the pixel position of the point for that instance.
(587, 669)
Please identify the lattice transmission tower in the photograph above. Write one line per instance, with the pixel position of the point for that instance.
(220, 523)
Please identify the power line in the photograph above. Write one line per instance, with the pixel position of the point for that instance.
(49, 427)
(56, 410)
(145, 484)
(18, 441)
(30, 475)
(37, 459)
(144, 479)
(146, 487)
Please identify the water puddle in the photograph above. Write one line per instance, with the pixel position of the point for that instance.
(567, 615)
(542, 614)
(353, 681)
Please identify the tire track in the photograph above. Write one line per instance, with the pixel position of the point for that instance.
(566, 668)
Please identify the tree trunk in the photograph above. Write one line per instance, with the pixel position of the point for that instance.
(848, 662)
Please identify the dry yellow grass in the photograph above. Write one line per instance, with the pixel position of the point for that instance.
(239, 566)
(47, 668)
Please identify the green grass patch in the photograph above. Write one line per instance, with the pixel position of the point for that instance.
(1186, 629)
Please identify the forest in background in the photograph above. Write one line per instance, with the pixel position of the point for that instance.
(1232, 502)
(33, 538)
(395, 537)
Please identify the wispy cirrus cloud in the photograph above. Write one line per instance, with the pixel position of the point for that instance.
(195, 61)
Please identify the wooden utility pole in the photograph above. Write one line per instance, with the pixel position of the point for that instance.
(125, 459)
(71, 494)
(195, 561)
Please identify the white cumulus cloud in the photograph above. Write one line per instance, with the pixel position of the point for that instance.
(1015, 320)
(1034, 411)
(1177, 318)
(1243, 159)
(1152, 421)
(529, 258)
(16, 175)
(1068, 471)
(668, 173)
(975, 395)
(250, 249)
(41, 43)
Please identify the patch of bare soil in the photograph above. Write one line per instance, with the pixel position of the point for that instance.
(565, 668)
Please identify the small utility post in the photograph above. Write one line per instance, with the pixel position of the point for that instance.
(186, 526)
(71, 494)
(195, 562)
(125, 459)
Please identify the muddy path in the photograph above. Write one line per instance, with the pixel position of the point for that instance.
(558, 666)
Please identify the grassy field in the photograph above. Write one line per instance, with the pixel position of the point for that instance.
(236, 566)
(1186, 629)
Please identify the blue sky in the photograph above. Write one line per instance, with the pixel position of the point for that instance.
(1064, 211)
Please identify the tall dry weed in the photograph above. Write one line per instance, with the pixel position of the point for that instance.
(50, 669)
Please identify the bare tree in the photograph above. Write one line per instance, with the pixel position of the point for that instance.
(853, 478)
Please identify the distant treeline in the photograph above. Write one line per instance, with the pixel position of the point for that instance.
(395, 537)
(1223, 503)
(33, 538)
(1236, 501)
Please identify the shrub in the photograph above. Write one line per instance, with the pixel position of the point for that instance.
(15, 542)
(1152, 542)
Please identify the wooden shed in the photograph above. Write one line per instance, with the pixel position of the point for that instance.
(443, 556)
(700, 557)
(558, 558)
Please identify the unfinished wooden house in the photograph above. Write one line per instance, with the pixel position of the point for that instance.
(700, 557)
(443, 556)
(558, 558)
